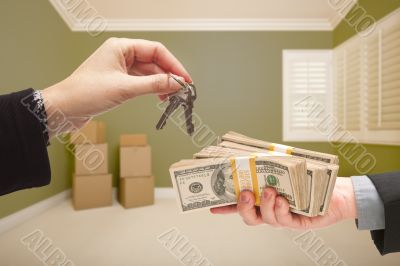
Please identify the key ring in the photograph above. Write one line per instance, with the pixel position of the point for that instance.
(186, 86)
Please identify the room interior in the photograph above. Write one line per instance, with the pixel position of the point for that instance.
(234, 53)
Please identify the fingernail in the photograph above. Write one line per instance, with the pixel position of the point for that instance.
(279, 202)
(244, 198)
(265, 194)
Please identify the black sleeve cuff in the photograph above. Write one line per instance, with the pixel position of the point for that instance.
(388, 187)
(24, 139)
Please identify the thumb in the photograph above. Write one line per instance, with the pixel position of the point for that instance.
(158, 83)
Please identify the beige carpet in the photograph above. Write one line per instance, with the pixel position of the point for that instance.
(115, 236)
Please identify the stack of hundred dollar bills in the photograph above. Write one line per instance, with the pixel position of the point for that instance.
(217, 175)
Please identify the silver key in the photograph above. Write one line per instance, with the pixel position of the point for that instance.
(185, 97)
(174, 102)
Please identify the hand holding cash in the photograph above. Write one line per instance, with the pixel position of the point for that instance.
(275, 210)
(264, 181)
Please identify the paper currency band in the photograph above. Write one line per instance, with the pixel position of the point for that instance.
(245, 176)
(280, 148)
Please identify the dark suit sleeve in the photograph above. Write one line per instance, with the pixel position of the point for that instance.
(23, 142)
(388, 187)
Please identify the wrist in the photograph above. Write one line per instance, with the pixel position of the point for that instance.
(346, 190)
(62, 115)
(51, 111)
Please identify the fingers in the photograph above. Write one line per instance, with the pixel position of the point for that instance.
(267, 206)
(163, 96)
(285, 218)
(247, 209)
(154, 52)
(159, 84)
(224, 210)
(274, 210)
(283, 215)
(142, 69)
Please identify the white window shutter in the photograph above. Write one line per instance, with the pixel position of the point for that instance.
(352, 90)
(339, 84)
(373, 79)
(389, 116)
(307, 75)
(367, 84)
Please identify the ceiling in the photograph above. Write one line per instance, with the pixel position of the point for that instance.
(200, 14)
(173, 9)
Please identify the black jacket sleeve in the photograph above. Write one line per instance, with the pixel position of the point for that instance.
(388, 187)
(23, 143)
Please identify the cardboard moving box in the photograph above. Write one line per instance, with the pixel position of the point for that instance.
(132, 140)
(135, 161)
(136, 191)
(91, 159)
(91, 191)
(93, 132)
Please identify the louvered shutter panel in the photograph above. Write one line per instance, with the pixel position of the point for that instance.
(339, 86)
(367, 84)
(307, 73)
(389, 116)
(352, 85)
(372, 79)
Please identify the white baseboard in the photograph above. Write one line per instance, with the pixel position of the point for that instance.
(23, 215)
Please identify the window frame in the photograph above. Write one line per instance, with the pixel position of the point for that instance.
(303, 135)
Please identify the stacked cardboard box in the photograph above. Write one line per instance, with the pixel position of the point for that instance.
(91, 182)
(136, 186)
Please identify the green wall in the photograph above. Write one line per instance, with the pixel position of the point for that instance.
(376, 9)
(238, 76)
(33, 48)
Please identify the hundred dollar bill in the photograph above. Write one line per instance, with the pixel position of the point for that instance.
(327, 183)
(203, 184)
(217, 175)
(313, 155)
(206, 183)
(219, 151)
(317, 176)
(320, 182)
(331, 175)
(275, 175)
